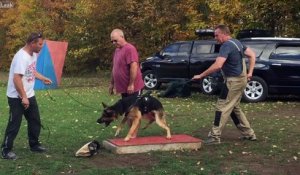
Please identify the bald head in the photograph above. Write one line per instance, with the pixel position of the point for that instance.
(117, 38)
(117, 32)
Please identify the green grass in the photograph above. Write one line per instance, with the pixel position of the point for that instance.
(69, 115)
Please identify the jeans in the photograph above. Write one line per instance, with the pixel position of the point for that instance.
(32, 115)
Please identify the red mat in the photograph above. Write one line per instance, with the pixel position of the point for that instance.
(182, 138)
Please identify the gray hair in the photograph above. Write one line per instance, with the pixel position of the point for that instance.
(118, 31)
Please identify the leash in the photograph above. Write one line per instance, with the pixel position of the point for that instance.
(79, 102)
(54, 100)
(69, 95)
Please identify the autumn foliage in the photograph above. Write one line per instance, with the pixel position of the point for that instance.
(149, 24)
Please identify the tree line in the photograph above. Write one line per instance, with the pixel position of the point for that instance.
(148, 24)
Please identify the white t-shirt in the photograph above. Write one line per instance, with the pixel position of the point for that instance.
(23, 64)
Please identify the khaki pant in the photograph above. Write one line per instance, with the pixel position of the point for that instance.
(228, 105)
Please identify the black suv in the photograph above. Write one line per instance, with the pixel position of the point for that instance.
(276, 69)
(181, 60)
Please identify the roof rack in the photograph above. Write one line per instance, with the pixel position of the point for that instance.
(204, 32)
(272, 38)
(249, 33)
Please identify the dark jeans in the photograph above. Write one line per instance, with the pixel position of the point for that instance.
(32, 115)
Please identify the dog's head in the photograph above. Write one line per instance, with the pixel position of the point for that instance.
(108, 115)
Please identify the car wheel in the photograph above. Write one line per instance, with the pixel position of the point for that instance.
(150, 80)
(208, 86)
(256, 90)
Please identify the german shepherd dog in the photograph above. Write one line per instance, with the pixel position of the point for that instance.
(134, 109)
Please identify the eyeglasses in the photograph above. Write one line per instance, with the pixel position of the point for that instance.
(113, 41)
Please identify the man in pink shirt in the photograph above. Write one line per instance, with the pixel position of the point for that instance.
(126, 76)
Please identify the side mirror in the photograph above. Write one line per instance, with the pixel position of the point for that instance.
(158, 54)
(272, 55)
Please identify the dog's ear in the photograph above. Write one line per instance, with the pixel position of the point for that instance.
(104, 105)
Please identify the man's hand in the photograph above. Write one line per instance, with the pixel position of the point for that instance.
(25, 102)
(47, 81)
(197, 77)
(249, 76)
(42, 78)
(111, 89)
(130, 89)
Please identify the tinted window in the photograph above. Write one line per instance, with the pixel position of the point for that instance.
(178, 49)
(257, 48)
(216, 48)
(288, 52)
(170, 50)
(201, 48)
(184, 49)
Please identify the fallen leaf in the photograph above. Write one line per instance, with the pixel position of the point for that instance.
(48, 156)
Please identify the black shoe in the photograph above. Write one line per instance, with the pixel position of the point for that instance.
(38, 149)
(10, 155)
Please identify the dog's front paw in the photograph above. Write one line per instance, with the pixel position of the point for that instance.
(169, 137)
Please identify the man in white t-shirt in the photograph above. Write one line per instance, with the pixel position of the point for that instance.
(21, 97)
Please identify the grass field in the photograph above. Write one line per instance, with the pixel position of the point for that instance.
(69, 115)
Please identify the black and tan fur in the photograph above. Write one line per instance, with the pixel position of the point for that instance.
(134, 109)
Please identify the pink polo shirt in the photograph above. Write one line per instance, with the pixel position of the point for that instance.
(121, 68)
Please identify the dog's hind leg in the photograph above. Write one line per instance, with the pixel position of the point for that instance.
(161, 121)
(136, 116)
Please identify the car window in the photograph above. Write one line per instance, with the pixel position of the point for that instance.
(177, 49)
(170, 50)
(184, 49)
(288, 52)
(201, 48)
(216, 48)
(257, 48)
